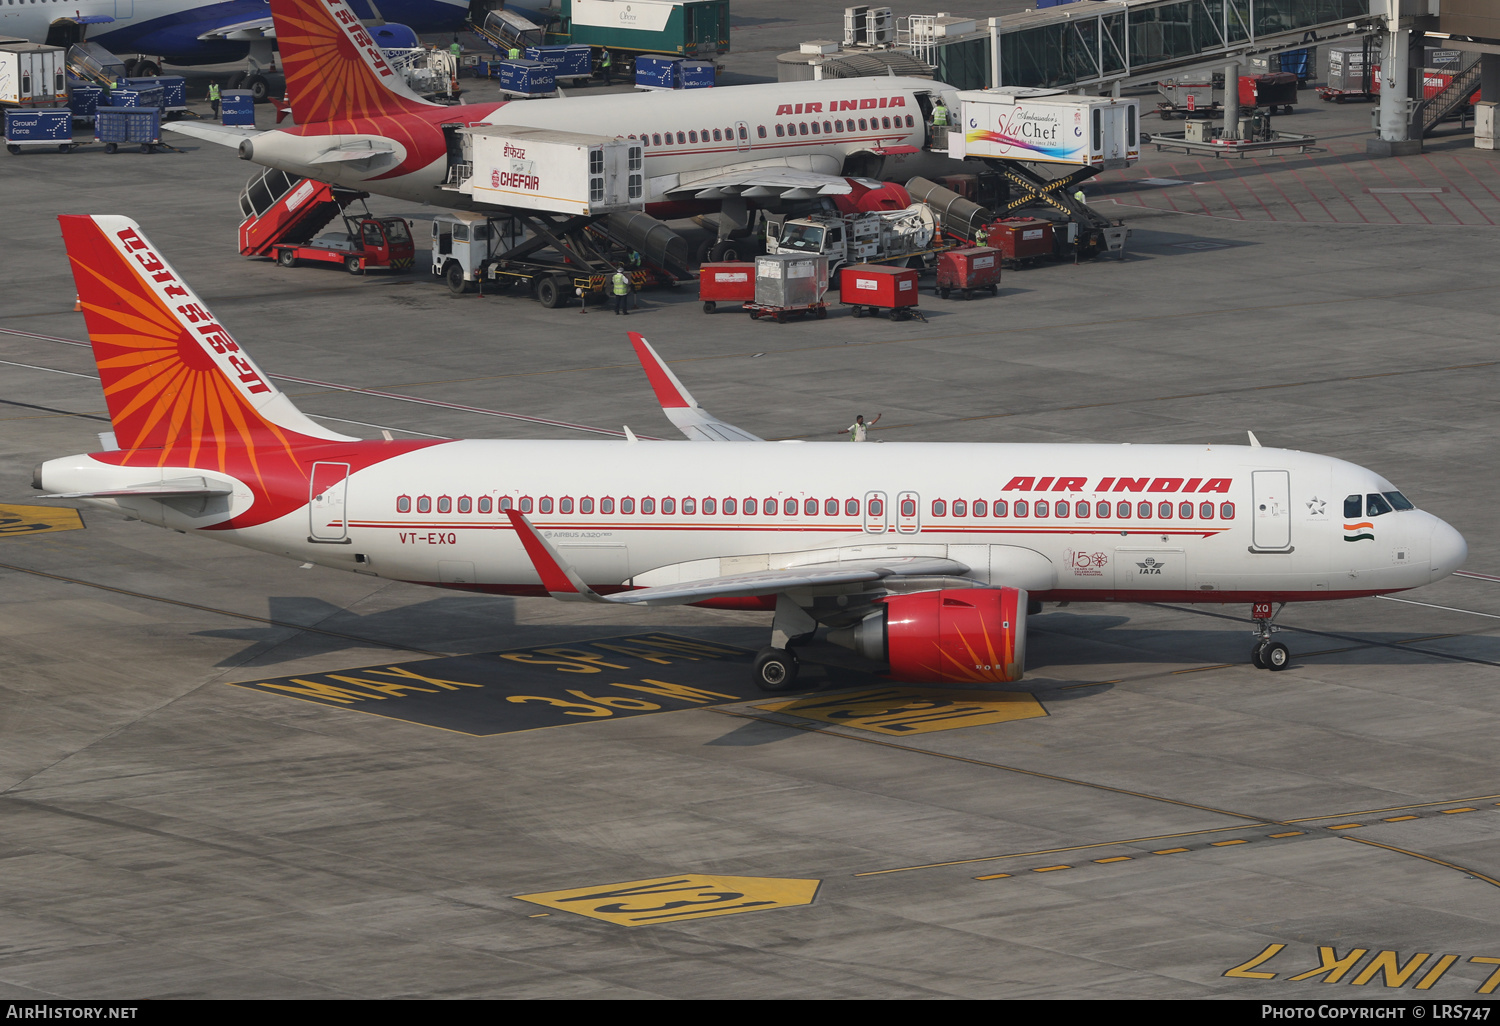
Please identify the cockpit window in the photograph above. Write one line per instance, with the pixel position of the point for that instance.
(1398, 500)
(1375, 505)
(1353, 507)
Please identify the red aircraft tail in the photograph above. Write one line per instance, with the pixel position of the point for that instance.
(334, 70)
(177, 385)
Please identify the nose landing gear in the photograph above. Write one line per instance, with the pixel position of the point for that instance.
(1268, 654)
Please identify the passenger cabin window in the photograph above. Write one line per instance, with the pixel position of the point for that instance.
(981, 508)
(831, 507)
(689, 506)
(809, 507)
(1375, 505)
(544, 504)
(1185, 510)
(780, 131)
(565, 504)
(1122, 510)
(1061, 508)
(939, 508)
(693, 136)
(506, 504)
(1143, 510)
(1082, 508)
(960, 508)
(749, 507)
(681, 138)
(729, 507)
(445, 504)
(627, 506)
(744, 133)
(877, 508)
(1002, 508)
(710, 507)
(606, 505)
(465, 504)
(815, 128)
(717, 136)
(668, 506)
(769, 506)
(586, 505)
(648, 506)
(789, 507)
(1022, 509)
(1226, 511)
(1206, 510)
(486, 504)
(424, 504)
(1041, 507)
(403, 504)
(760, 130)
(1164, 510)
(851, 507)
(908, 507)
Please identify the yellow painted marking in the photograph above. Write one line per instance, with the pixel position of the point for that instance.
(1200, 669)
(540, 915)
(1488, 987)
(1346, 826)
(1395, 808)
(1400, 819)
(1242, 971)
(1449, 812)
(1117, 858)
(22, 520)
(993, 876)
(1394, 975)
(1436, 972)
(1050, 869)
(902, 711)
(1296, 833)
(1220, 844)
(672, 899)
(1170, 851)
(1428, 858)
(1330, 966)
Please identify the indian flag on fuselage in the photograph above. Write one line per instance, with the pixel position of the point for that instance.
(1362, 531)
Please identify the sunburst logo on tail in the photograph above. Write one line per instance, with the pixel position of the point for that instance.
(334, 69)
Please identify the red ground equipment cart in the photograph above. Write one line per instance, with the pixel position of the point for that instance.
(1022, 241)
(968, 270)
(730, 282)
(368, 242)
(876, 287)
(1278, 89)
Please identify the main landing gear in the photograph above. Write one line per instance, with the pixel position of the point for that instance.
(1268, 654)
(775, 667)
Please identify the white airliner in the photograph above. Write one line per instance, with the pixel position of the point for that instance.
(926, 555)
(358, 125)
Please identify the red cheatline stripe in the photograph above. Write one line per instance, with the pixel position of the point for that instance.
(399, 397)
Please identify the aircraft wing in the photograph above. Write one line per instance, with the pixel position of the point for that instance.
(222, 135)
(678, 403)
(258, 28)
(770, 181)
(563, 582)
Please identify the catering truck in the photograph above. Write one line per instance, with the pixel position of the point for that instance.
(683, 28)
(1046, 126)
(33, 75)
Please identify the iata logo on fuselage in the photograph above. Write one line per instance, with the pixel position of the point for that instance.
(868, 103)
(1150, 565)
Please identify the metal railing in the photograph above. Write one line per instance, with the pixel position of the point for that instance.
(1426, 114)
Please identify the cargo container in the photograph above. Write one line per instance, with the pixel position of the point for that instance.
(1047, 126)
(698, 74)
(1298, 62)
(566, 61)
(874, 287)
(686, 28)
(658, 72)
(33, 75)
(968, 270)
(139, 92)
(83, 100)
(173, 90)
(121, 126)
(237, 107)
(1190, 94)
(541, 169)
(1269, 91)
(1349, 69)
(527, 78)
(788, 284)
(729, 282)
(34, 129)
(1022, 240)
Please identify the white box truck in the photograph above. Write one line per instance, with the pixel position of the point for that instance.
(33, 75)
(547, 171)
(1046, 126)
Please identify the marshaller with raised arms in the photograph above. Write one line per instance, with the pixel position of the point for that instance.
(926, 555)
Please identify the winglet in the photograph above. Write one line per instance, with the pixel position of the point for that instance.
(560, 579)
(669, 391)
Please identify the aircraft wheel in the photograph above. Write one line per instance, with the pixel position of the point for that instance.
(703, 252)
(234, 80)
(709, 306)
(1277, 656)
(260, 89)
(729, 249)
(352, 265)
(286, 258)
(453, 274)
(775, 669)
(1258, 655)
(146, 69)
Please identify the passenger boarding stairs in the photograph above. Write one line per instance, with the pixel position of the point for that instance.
(1426, 115)
(282, 209)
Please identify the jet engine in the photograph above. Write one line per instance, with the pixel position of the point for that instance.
(956, 636)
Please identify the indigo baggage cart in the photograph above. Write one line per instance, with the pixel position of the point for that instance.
(38, 129)
(127, 126)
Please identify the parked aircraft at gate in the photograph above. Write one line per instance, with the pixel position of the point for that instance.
(192, 31)
(359, 126)
(927, 555)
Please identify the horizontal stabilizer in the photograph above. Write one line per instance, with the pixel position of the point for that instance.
(220, 135)
(176, 489)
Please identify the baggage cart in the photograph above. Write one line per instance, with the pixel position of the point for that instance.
(968, 270)
(527, 78)
(237, 107)
(789, 285)
(698, 74)
(1269, 91)
(875, 287)
(138, 92)
(83, 101)
(728, 282)
(1022, 241)
(1193, 95)
(567, 61)
(658, 73)
(123, 126)
(38, 129)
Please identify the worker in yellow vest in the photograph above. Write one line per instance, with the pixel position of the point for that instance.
(621, 285)
(605, 64)
(213, 97)
(939, 115)
(982, 236)
(514, 54)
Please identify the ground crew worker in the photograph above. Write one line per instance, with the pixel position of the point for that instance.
(1079, 197)
(455, 48)
(621, 285)
(939, 115)
(856, 431)
(605, 64)
(213, 97)
(514, 54)
(982, 236)
(634, 259)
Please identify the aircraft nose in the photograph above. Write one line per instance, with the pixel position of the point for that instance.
(1449, 550)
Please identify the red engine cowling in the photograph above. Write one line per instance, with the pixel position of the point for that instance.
(863, 198)
(961, 636)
